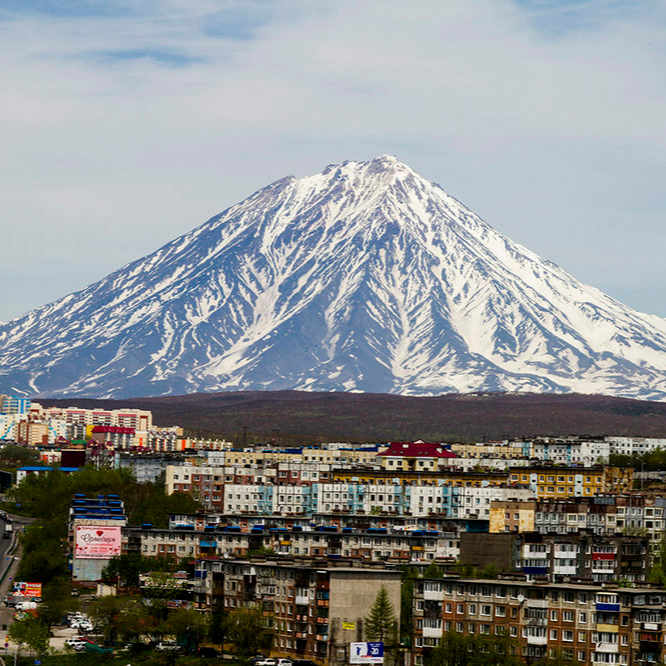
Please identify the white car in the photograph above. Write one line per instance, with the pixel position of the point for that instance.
(76, 643)
(167, 646)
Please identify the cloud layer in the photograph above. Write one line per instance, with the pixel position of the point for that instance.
(124, 124)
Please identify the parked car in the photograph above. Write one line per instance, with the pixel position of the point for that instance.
(284, 662)
(208, 652)
(76, 643)
(167, 646)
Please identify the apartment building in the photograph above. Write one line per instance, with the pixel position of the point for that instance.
(582, 554)
(560, 482)
(602, 514)
(505, 450)
(590, 624)
(138, 419)
(372, 544)
(317, 609)
(631, 446)
(401, 477)
(14, 404)
(571, 451)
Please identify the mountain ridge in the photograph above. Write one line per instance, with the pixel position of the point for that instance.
(364, 277)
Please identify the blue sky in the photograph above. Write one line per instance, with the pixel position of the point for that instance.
(127, 123)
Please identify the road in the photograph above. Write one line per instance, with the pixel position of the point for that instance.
(9, 559)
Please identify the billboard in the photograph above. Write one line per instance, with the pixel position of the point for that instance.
(366, 653)
(27, 590)
(96, 542)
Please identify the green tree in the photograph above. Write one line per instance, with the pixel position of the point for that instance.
(15, 455)
(217, 629)
(490, 571)
(31, 632)
(433, 571)
(409, 575)
(125, 570)
(381, 625)
(107, 613)
(459, 650)
(658, 570)
(189, 626)
(58, 601)
(556, 659)
(249, 630)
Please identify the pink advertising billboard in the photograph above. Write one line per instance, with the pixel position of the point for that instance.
(96, 542)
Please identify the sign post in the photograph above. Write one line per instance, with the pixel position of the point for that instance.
(366, 653)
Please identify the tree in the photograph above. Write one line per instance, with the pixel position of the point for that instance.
(31, 632)
(249, 630)
(433, 571)
(409, 575)
(459, 650)
(58, 601)
(555, 659)
(189, 626)
(125, 570)
(107, 612)
(381, 625)
(658, 570)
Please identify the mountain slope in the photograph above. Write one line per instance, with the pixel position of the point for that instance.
(365, 277)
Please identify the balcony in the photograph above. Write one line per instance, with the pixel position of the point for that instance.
(565, 571)
(302, 599)
(432, 632)
(609, 608)
(612, 628)
(534, 556)
(607, 647)
(537, 640)
(433, 595)
(536, 603)
(535, 571)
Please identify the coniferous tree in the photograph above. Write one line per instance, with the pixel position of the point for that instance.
(381, 625)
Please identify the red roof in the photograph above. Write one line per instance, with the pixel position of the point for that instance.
(417, 450)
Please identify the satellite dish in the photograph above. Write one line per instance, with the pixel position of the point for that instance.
(521, 598)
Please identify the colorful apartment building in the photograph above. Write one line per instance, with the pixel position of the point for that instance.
(589, 624)
(560, 482)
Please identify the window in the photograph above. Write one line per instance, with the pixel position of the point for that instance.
(568, 616)
(568, 635)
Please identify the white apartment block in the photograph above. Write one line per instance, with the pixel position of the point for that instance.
(630, 446)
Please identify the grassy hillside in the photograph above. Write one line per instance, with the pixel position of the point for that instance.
(298, 417)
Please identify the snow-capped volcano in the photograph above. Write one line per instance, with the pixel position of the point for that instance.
(365, 277)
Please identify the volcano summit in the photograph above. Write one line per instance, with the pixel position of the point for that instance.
(365, 277)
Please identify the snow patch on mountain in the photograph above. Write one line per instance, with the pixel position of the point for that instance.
(365, 277)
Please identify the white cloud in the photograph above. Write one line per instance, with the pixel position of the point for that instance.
(123, 129)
